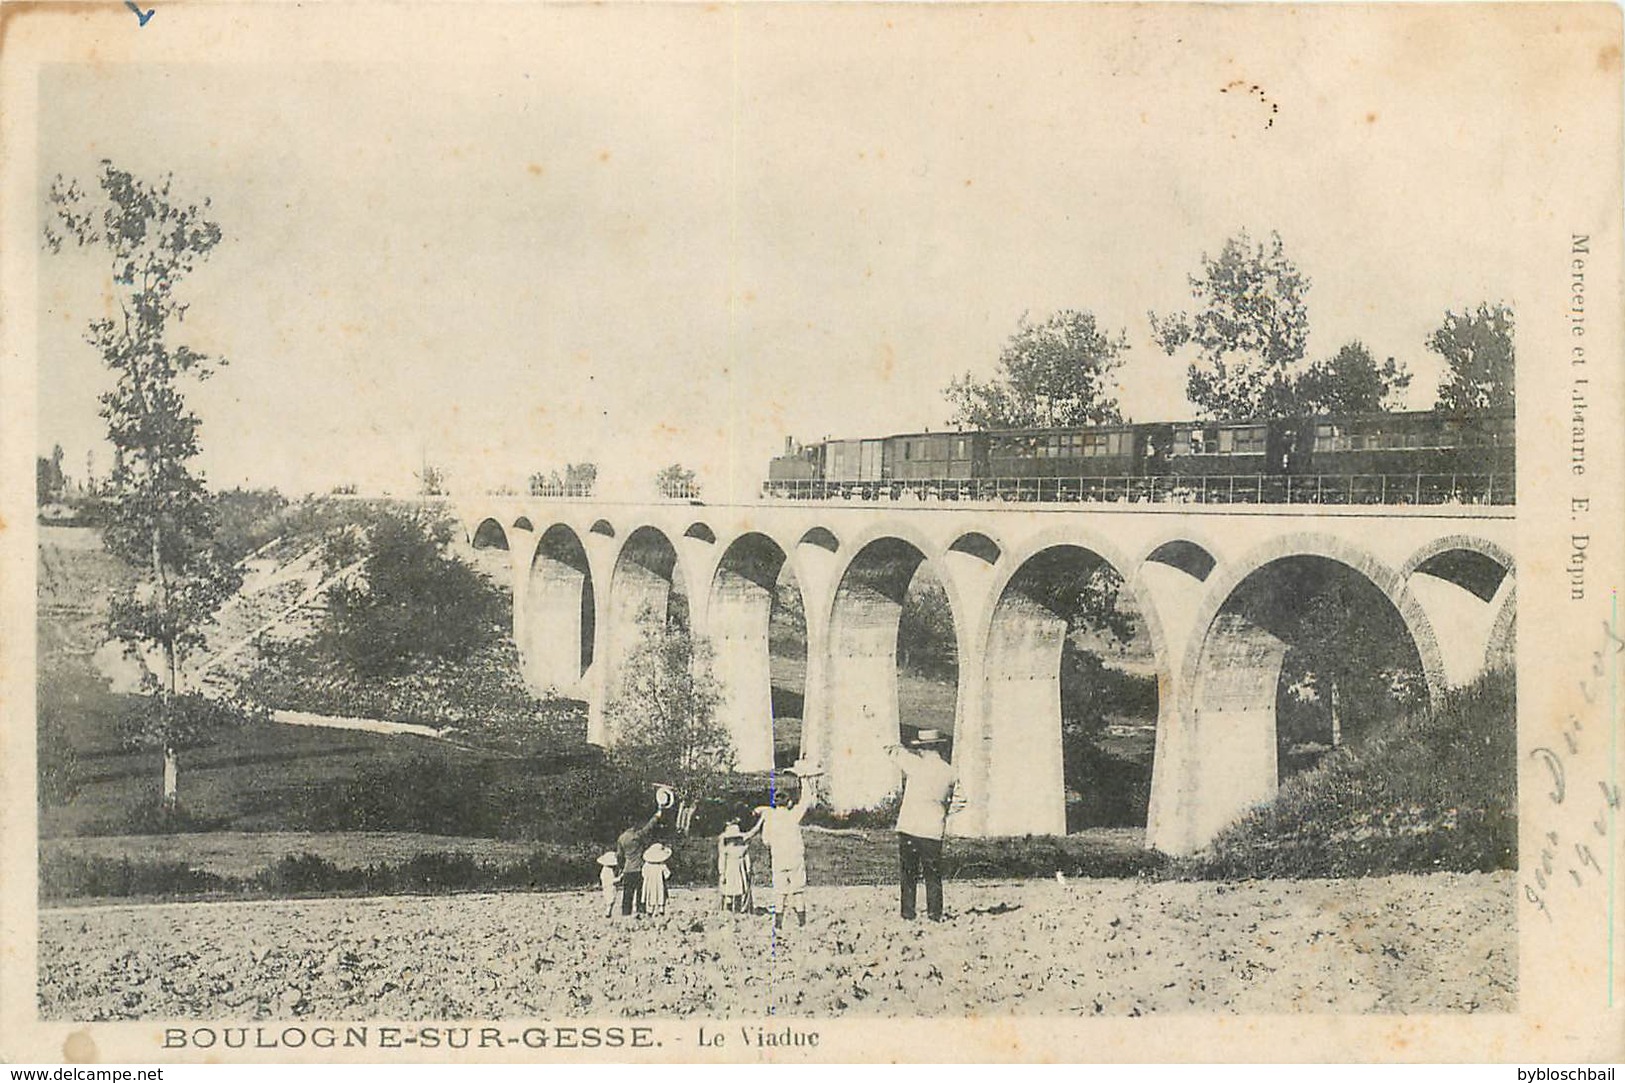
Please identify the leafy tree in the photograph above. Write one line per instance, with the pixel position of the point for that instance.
(677, 480)
(1477, 345)
(1052, 373)
(431, 481)
(1350, 382)
(1350, 663)
(247, 519)
(49, 480)
(411, 600)
(580, 477)
(160, 519)
(1249, 330)
(925, 629)
(59, 697)
(665, 712)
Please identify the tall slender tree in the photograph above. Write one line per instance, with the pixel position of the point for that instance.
(160, 519)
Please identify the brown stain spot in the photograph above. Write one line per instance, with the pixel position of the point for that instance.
(603, 156)
(1371, 118)
(534, 169)
(748, 296)
(1608, 58)
(79, 1048)
(888, 360)
(968, 182)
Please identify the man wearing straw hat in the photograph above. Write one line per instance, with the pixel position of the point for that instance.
(928, 793)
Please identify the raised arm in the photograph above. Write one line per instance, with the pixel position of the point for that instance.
(900, 756)
(809, 797)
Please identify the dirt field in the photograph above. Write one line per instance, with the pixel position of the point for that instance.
(1441, 943)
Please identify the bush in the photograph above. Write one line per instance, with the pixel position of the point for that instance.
(1023, 858)
(413, 602)
(149, 816)
(299, 874)
(248, 519)
(71, 876)
(882, 815)
(75, 876)
(581, 801)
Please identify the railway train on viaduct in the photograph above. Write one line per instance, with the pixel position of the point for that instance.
(1429, 457)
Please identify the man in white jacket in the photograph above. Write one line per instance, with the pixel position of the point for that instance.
(928, 795)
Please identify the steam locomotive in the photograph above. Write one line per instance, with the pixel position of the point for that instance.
(1427, 457)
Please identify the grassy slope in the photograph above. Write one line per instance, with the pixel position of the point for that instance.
(1436, 790)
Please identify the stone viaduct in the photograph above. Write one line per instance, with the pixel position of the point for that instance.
(1214, 587)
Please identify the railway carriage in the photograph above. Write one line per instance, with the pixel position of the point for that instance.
(1423, 457)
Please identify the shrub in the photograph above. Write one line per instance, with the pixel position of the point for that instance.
(881, 815)
(149, 816)
(413, 602)
(304, 873)
(77, 876)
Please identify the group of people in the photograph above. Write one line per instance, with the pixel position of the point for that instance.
(634, 875)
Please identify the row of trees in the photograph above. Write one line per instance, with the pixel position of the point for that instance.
(1245, 342)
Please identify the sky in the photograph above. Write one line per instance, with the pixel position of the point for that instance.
(643, 235)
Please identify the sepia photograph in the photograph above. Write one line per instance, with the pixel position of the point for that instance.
(682, 531)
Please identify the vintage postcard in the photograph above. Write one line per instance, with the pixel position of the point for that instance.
(773, 532)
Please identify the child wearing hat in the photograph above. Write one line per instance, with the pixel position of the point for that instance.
(733, 867)
(608, 882)
(655, 875)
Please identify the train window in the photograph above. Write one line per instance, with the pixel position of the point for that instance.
(1182, 442)
(1227, 441)
(961, 450)
(1248, 441)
